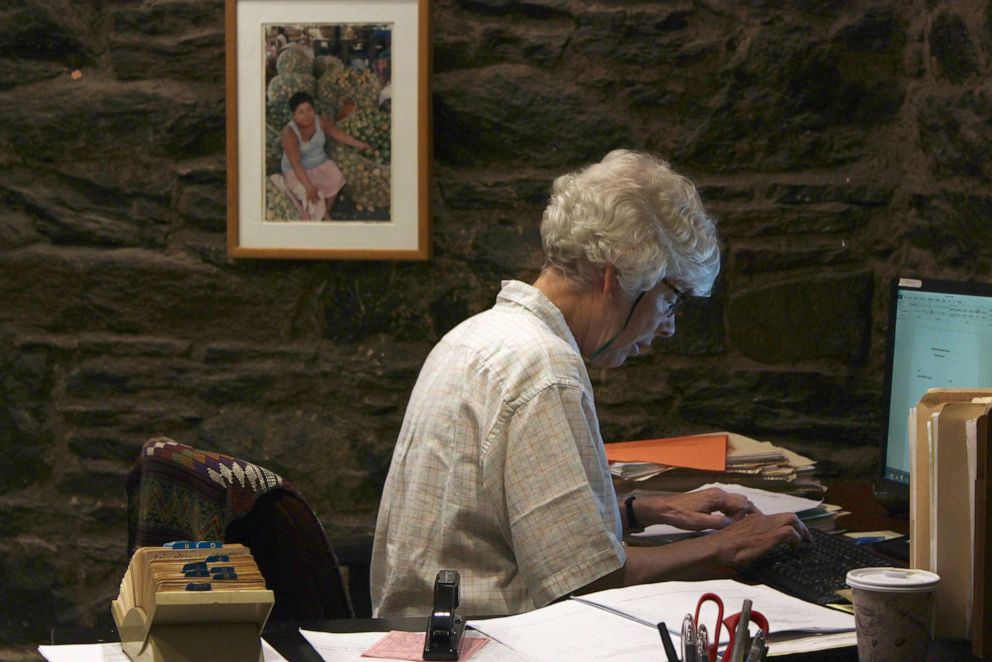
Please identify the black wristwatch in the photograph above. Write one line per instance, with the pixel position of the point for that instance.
(632, 524)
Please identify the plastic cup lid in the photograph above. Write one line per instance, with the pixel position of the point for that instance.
(894, 580)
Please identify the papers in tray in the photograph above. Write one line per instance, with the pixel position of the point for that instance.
(621, 624)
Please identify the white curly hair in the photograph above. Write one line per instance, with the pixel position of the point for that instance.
(633, 211)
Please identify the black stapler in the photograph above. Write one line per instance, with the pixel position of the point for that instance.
(444, 628)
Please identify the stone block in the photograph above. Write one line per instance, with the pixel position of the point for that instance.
(204, 207)
(122, 125)
(771, 258)
(949, 227)
(955, 133)
(33, 591)
(477, 116)
(809, 96)
(846, 191)
(198, 56)
(71, 211)
(60, 31)
(951, 45)
(98, 290)
(14, 72)
(829, 409)
(94, 482)
(506, 190)
(181, 40)
(790, 220)
(825, 316)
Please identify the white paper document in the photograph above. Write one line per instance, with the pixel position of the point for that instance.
(112, 652)
(571, 631)
(671, 601)
(348, 647)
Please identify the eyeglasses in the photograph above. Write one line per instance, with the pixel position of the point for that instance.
(672, 308)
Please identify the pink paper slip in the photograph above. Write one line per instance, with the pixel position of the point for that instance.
(410, 646)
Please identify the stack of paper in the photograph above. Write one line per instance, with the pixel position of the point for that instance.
(680, 464)
(621, 624)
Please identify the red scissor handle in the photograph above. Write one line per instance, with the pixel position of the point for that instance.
(711, 597)
(731, 623)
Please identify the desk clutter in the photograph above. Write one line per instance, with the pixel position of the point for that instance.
(679, 464)
(724, 459)
(950, 507)
(192, 600)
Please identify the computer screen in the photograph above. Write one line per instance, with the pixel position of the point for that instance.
(940, 335)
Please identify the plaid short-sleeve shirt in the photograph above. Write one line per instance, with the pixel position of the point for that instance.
(499, 470)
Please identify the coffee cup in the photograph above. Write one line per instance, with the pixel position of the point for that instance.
(893, 612)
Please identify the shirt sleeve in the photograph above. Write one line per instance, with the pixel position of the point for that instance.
(560, 532)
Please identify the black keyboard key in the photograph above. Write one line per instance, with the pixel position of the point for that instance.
(815, 571)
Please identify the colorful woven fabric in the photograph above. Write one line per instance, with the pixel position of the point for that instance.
(178, 492)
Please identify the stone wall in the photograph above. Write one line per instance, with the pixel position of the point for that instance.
(839, 143)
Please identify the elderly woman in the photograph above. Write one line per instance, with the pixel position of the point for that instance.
(499, 471)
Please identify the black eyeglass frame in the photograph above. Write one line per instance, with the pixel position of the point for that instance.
(672, 308)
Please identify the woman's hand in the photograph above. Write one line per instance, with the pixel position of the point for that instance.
(312, 192)
(711, 508)
(756, 535)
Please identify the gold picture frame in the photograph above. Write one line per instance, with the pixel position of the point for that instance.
(366, 68)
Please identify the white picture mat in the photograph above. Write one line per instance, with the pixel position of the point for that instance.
(401, 232)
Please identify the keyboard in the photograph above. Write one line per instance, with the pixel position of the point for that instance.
(814, 571)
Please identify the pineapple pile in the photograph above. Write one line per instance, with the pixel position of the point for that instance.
(368, 180)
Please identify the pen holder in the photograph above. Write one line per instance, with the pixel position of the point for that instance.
(182, 625)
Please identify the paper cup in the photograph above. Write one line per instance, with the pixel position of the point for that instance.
(893, 612)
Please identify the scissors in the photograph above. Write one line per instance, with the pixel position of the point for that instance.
(730, 623)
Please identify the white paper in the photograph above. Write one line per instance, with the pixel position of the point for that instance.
(671, 601)
(113, 652)
(348, 647)
(770, 503)
(571, 631)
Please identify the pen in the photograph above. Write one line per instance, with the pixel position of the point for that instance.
(757, 652)
(868, 540)
(741, 634)
(666, 641)
(688, 639)
(702, 644)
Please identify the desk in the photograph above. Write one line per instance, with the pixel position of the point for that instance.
(284, 636)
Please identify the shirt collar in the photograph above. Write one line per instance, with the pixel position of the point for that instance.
(518, 293)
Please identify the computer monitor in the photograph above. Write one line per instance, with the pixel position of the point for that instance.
(939, 335)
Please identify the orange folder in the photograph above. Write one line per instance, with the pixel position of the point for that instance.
(705, 451)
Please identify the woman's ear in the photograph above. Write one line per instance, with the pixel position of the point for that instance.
(611, 283)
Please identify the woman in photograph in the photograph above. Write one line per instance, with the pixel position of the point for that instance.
(309, 173)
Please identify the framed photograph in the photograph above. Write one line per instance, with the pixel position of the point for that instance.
(328, 129)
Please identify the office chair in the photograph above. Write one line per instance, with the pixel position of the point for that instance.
(176, 492)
